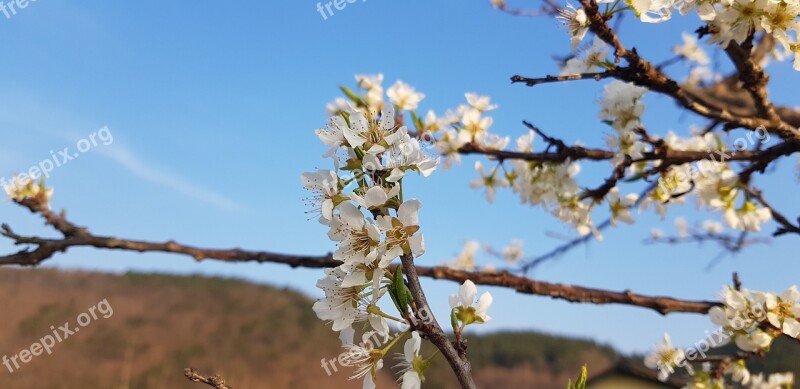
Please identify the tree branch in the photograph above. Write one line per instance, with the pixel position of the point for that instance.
(641, 72)
(46, 248)
(213, 381)
(455, 354)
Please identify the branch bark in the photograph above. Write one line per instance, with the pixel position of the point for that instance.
(455, 354)
(46, 248)
(213, 381)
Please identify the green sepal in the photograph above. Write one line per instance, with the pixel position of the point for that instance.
(352, 96)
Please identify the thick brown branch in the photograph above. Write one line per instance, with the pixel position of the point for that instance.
(665, 155)
(46, 248)
(754, 80)
(663, 305)
(641, 72)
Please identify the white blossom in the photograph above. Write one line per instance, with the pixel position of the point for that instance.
(411, 365)
(462, 304)
(576, 22)
(479, 103)
(490, 181)
(404, 96)
(665, 359)
(690, 50)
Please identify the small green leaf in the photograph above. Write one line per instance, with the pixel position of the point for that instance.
(417, 121)
(352, 96)
(399, 292)
(581, 383)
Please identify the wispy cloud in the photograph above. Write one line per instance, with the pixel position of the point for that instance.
(141, 169)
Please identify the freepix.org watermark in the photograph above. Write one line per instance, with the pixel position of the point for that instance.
(58, 159)
(373, 341)
(11, 7)
(61, 333)
(326, 9)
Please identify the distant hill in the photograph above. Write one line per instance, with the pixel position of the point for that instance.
(253, 335)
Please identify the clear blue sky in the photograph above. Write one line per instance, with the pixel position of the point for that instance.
(212, 106)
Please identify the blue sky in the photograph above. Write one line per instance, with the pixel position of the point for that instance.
(213, 105)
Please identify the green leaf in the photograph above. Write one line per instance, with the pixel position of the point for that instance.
(417, 121)
(399, 292)
(581, 384)
(454, 320)
(352, 96)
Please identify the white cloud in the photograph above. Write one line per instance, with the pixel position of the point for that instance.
(141, 169)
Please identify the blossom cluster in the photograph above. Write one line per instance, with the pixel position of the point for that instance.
(20, 189)
(755, 318)
(511, 254)
(361, 202)
(553, 186)
(752, 320)
(546, 184)
(727, 20)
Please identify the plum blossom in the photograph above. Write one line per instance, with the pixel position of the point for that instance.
(576, 22)
(462, 304)
(466, 259)
(621, 206)
(372, 85)
(479, 103)
(325, 185)
(489, 181)
(665, 359)
(622, 104)
(513, 252)
(401, 231)
(412, 366)
(376, 196)
(748, 217)
(404, 96)
(588, 61)
(783, 311)
(341, 306)
(21, 189)
(358, 239)
(690, 50)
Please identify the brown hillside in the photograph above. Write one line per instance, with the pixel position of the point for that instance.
(255, 336)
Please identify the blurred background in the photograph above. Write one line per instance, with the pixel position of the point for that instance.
(212, 108)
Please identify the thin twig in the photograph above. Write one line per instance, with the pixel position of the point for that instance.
(213, 381)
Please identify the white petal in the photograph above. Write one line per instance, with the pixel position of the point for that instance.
(417, 243)
(368, 382)
(395, 175)
(346, 335)
(791, 294)
(371, 163)
(358, 125)
(387, 117)
(351, 215)
(408, 212)
(411, 347)
(484, 303)
(411, 380)
(791, 327)
(327, 209)
(375, 196)
(374, 232)
(467, 292)
(452, 300)
(355, 279)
